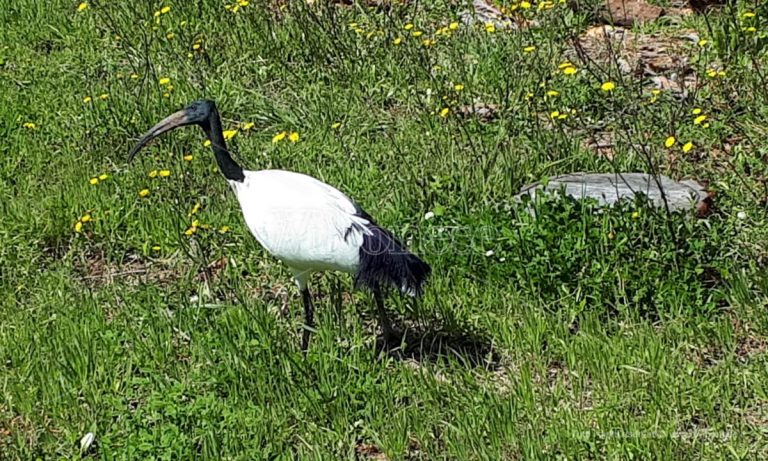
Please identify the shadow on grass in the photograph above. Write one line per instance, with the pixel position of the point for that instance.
(436, 344)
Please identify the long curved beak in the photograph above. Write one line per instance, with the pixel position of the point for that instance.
(175, 120)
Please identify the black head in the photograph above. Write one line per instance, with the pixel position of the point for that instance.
(197, 113)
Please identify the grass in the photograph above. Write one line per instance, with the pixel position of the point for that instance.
(626, 334)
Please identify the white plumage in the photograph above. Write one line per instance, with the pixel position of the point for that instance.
(307, 224)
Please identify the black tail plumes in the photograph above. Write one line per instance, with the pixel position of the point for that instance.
(385, 261)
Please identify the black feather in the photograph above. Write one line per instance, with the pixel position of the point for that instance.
(386, 261)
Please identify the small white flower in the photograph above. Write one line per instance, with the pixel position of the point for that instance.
(501, 260)
(194, 299)
(429, 215)
(489, 253)
(87, 441)
(741, 215)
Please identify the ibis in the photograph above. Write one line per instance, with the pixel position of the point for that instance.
(307, 224)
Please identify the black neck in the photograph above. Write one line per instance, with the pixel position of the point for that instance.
(229, 168)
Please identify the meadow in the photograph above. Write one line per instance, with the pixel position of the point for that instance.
(135, 304)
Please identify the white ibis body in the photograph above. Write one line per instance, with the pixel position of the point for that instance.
(306, 223)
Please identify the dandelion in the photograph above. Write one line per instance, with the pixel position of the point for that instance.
(194, 209)
(164, 173)
(336, 126)
(608, 86)
(490, 28)
(157, 15)
(85, 218)
(751, 29)
(153, 174)
(458, 87)
(453, 25)
(134, 76)
(669, 142)
(103, 177)
(699, 120)
(397, 41)
(687, 147)
(207, 143)
(164, 81)
(87, 99)
(553, 93)
(279, 137)
(554, 114)
(248, 126)
(293, 137)
(703, 42)
(696, 111)
(196, 46)
(156, 248)
(188, 158)
(525, 5)
(417, 33)
(444, 112)
(570, 70)
(635, 215)
(223, 229)
(82, 6)
(529, 49)
(190, 231)
(170, 35)
(93, 181)
(165, 9)
(144, 193)
(244, 3)
(78, 227)
(229, 134)
(29, 126)
(748, 15)
(408, 26)
(103, 96)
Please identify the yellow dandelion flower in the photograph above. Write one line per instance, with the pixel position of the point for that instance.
(562, 116)
(570, 70)
(85, 218)
(190, 231)
(525, 5)
(699, 120)
(565, 64)
(444, 112)
(195, 209)
(397, 41)
(165, 9)
(490, 28)
(417, 33)
(170, 35)
(229, 134)
(144, 193)
(224, 229)
(669, 142)
(608, 86)
(164, 173)
(157, 15)
(703, 42)
(408, 26)
(293, 137)
(82, 6)
(87, 99)
(153, 173)
(103, 177)
(134, 76)
(166, 95)
(164, 81)
(554, 114)
(78, 227)
(453, 25)
(248, 125)
(207, 143)
(244, 3)
(751, 29)
(195, 223)
(635, 215)
(336, 126)
(553, 93)
(93, 181)
(748, 15)
(29, 126)
(529, 49)
(196, 46)
(279, 137)
(687, 147)
(103, 96)
(696, 111)
(428, 42)
(188, 158)
(458, 87)
(156, 248)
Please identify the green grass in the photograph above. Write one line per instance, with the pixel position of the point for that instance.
(582, 336)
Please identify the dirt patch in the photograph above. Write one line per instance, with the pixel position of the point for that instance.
(630, 12)
(94, 269)
(661, 60)
(369, 451)
(481, 111)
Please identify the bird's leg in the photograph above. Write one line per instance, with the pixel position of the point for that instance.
(386, 326)
(309, 318)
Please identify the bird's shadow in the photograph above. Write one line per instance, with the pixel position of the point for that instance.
(430, 344)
